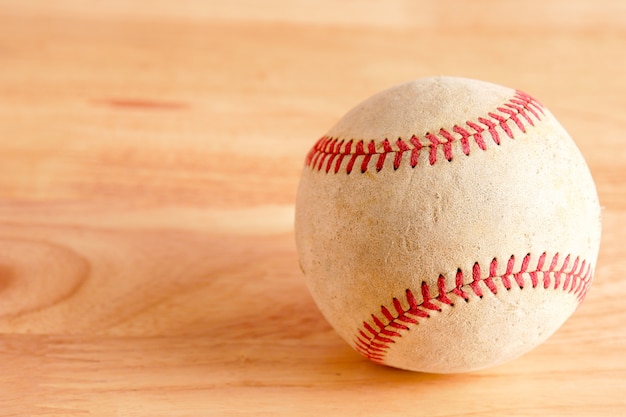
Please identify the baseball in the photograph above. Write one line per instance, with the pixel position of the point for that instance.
(447, 225)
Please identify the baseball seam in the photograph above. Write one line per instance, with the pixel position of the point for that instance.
(328, 153)
(376, 337)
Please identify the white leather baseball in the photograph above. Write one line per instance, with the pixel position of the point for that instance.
(446, 225)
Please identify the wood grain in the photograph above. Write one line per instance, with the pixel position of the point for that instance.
(149, 158)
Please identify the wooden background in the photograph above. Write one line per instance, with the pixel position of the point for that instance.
(149, 157)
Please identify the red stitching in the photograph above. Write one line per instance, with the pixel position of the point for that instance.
(375, 338)
(519, 110)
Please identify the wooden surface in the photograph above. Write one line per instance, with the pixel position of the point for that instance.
(149, 158)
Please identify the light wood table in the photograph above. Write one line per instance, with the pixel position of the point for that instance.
(150, 153)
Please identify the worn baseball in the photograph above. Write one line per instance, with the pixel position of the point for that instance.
(447, 225)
